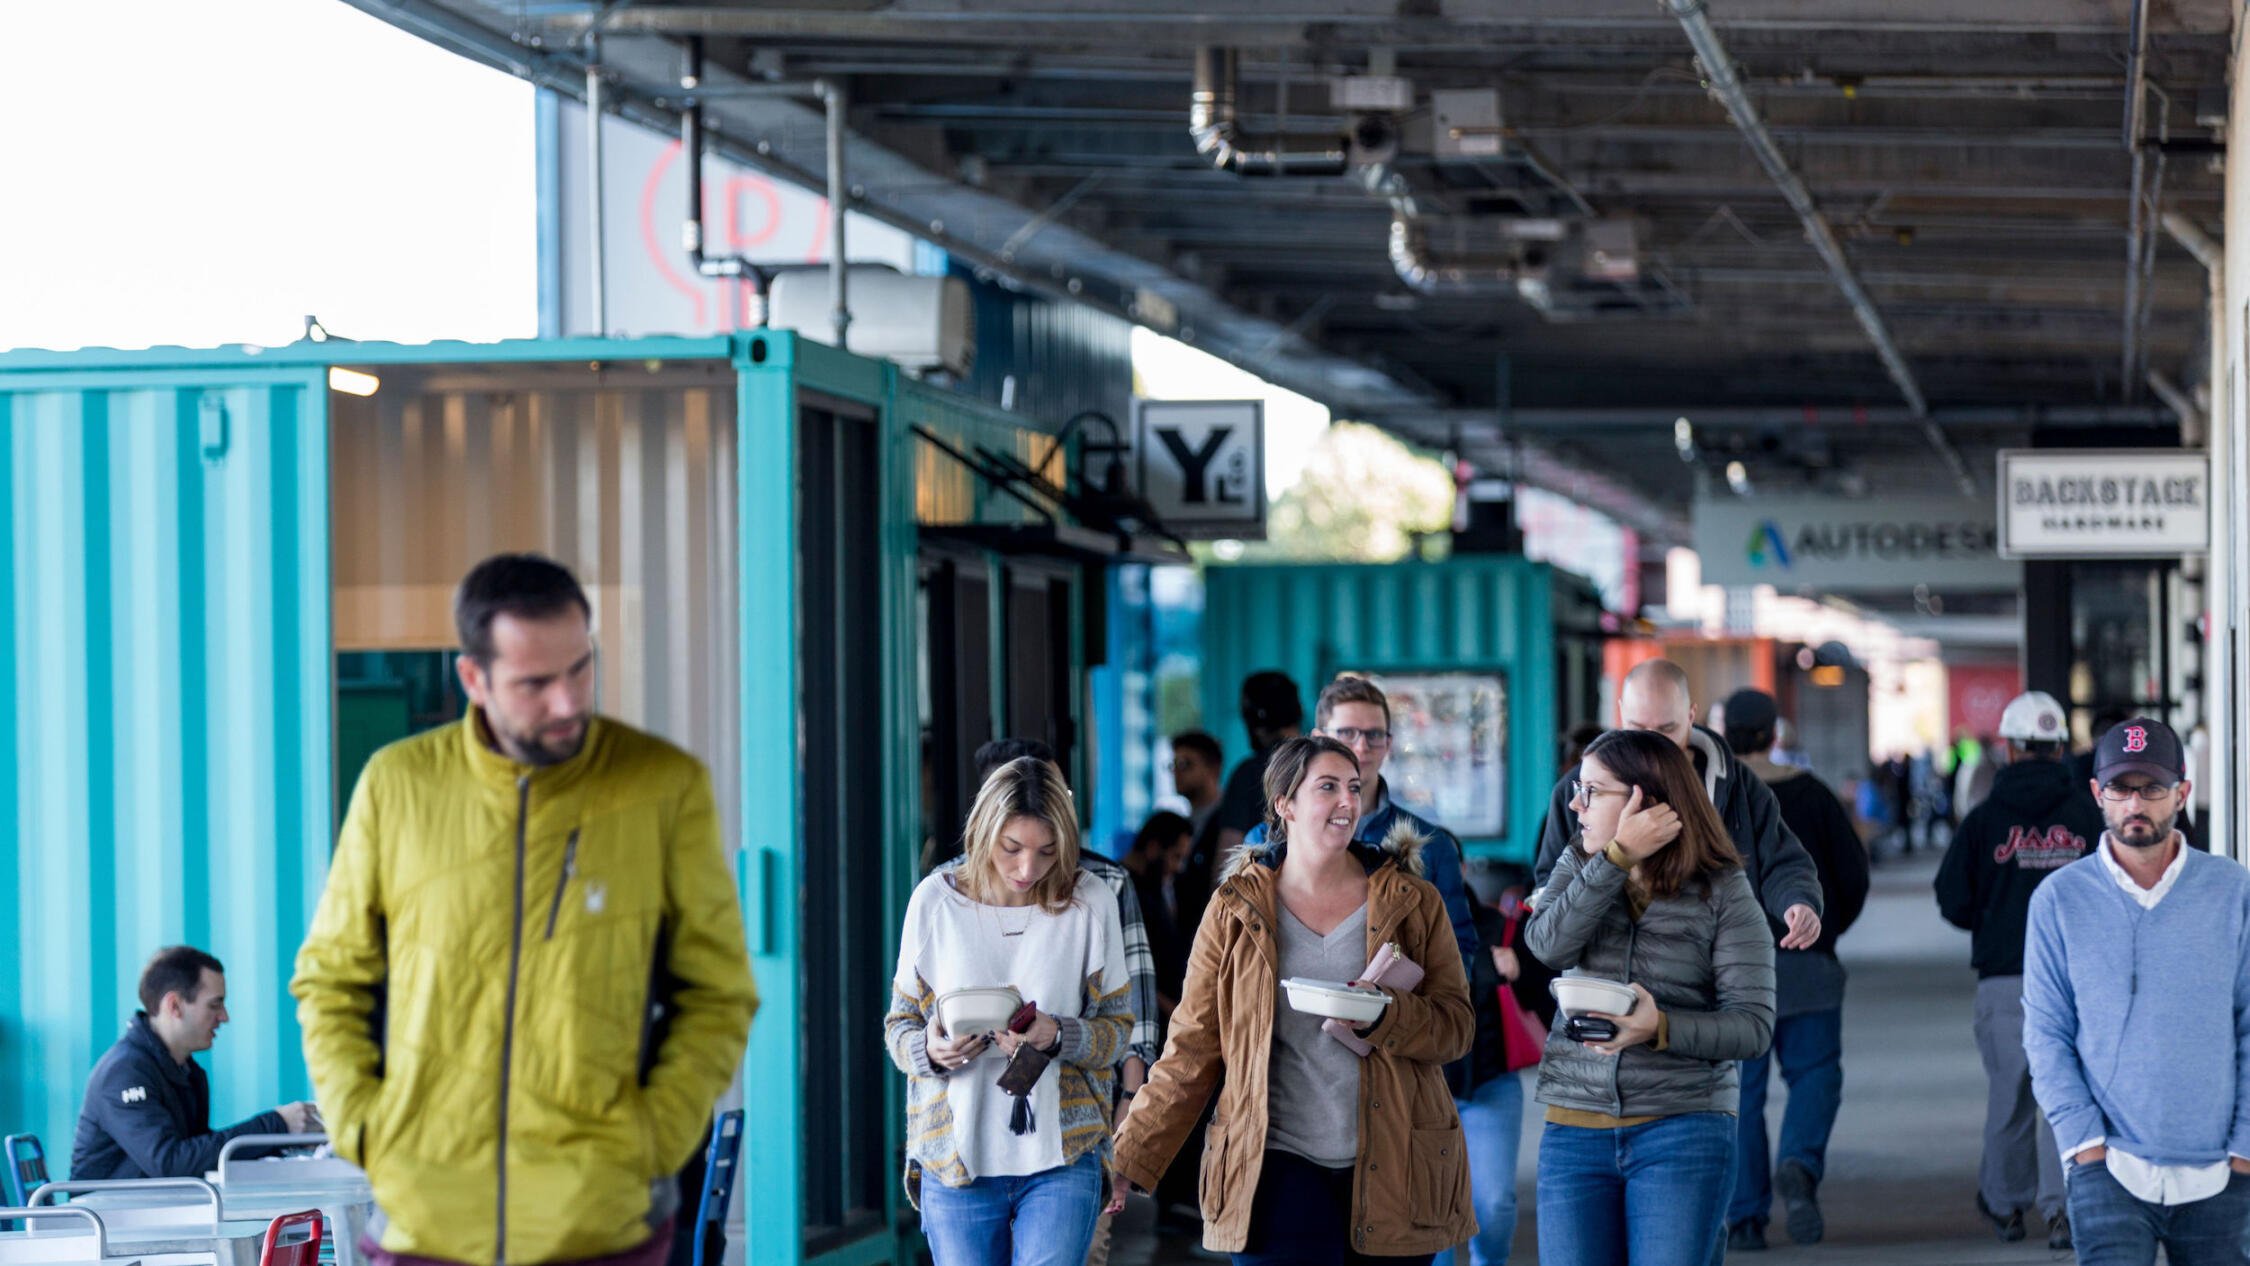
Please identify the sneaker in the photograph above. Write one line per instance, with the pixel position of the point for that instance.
(2009, 1228)
(1746, 1237)
(2058, 1233)
(1795, 1185)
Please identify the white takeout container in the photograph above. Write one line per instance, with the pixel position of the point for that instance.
(1577, 995)
(1335, 999)
(962, 1012)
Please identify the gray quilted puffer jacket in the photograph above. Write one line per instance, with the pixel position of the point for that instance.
(1705, 954)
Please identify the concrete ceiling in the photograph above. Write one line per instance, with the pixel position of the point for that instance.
(1971, 157)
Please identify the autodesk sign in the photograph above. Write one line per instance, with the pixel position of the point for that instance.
(1830, 543)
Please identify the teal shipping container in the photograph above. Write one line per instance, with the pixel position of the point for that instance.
(1486, 660)
(228, 577)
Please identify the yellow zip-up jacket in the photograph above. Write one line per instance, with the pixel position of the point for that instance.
(478, 990)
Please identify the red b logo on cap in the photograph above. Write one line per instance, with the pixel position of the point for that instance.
(2136, 738)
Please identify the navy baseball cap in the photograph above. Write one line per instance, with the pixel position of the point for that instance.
(2142, 746)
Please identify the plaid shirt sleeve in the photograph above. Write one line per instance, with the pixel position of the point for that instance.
(1140, 964)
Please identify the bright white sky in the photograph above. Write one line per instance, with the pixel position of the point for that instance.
(224, 167)
(238, 164)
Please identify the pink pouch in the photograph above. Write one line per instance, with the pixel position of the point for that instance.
(1389, 968)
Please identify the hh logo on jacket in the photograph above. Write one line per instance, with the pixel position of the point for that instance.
(2034, 849)
(138, 1094)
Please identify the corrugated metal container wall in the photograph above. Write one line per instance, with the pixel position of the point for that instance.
(631, 485)
(1464, 614)
(168, 692)
(1064, 357)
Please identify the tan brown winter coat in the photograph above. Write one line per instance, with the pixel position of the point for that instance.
(1410, 1190)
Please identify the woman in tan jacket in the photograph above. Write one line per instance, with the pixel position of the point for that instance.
(1316, 1155)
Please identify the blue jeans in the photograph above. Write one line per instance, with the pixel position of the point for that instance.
(1810, 1048)
(1042, 1219)
(1302, 1216)
(2112, 1228)
(1651, 1195)
(1492, 1130)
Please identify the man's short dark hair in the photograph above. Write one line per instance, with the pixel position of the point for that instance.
(1001, 751)
(526, 586)
(1203, 745)
(2033, 749)
(175, 969)
(1750, 740)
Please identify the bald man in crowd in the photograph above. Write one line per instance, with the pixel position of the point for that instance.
(1655, 698)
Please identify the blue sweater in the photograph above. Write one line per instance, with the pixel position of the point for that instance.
(2137, 1022)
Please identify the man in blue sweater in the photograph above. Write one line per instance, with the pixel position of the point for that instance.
(2137, 1021)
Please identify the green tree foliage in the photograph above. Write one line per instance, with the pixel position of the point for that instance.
(1362, 496)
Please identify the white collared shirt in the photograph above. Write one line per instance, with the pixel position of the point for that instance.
(2151, 1183)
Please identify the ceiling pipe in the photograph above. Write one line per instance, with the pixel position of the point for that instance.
(597, 293)
(834, 101)
(1218, 134)
(1409, 247)
(2198, 243)
(2182, 407)
(728, 267)
(2136, 227)
(1726, 84)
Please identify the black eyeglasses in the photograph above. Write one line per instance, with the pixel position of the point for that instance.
(2151, 793)
(1352, 734)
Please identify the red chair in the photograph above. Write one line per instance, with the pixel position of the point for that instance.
(292, 1240)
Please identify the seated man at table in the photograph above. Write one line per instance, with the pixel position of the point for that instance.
(148, 1105)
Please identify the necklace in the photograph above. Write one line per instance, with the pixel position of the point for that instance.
(999, 916)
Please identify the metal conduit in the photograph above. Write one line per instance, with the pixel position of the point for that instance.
(1726, 84)
(833, 98)
(735, 267)
(1217, 130)
(2136, 229)
(596, 190)
(2198, 243)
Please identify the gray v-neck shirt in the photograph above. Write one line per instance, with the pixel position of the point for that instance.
(1312, 1107)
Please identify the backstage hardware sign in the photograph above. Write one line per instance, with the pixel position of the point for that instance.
(2094, 503)
(1841, 545)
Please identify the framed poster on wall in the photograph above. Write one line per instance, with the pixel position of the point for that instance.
(1449, 748)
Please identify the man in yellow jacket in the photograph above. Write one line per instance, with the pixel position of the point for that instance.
(526, 984)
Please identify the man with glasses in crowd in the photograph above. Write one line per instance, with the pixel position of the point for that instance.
(2036, 819)
(2137, 1021)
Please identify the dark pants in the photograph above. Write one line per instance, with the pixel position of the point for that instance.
(2113, 1228)
(1302, 1216)
(1810, 1049)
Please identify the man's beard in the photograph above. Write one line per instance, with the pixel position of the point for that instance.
(2147, 830)
(536, 751)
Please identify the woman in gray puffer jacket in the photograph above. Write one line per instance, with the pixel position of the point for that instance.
(1637, 1160)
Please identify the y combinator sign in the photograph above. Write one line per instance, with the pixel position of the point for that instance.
(2096, 503)
(1202, 465)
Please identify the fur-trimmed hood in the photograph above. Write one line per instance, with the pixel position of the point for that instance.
(1404, 841)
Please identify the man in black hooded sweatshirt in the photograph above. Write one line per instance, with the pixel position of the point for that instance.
(2037, 819)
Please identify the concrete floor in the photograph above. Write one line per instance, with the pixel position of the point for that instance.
(1902, 1164)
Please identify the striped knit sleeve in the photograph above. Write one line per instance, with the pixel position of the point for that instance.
(906, 1028)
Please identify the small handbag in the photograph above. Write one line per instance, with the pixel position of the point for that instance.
(1521, 1033)
(1391, 969)
(1023, 1072)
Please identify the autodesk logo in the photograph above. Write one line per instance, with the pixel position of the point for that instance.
(1765, 546)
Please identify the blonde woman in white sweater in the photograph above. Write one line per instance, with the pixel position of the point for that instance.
(1016, 1183)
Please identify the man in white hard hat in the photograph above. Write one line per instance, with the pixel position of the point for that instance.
(2036, 819)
